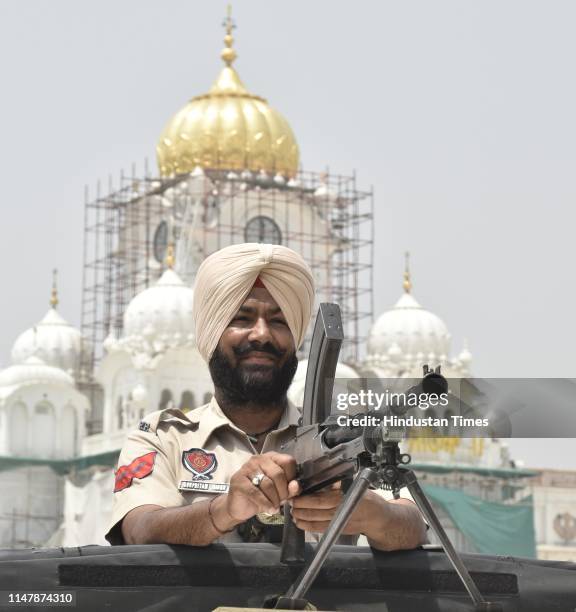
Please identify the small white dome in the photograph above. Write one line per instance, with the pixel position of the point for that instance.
(34, 371)
(296, 390)
(465, 356)
(53, 340)
(161, 314)
(412, 328)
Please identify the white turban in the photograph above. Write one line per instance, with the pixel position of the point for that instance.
(225, 279)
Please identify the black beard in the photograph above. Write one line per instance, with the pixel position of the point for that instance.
(252, 384)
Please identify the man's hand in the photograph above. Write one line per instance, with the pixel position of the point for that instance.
(244, 499)
(388, 525)
(313, 512)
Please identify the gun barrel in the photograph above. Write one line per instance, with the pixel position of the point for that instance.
(334, 435)
(431, 383)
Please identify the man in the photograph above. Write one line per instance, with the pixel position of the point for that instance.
(195, 478)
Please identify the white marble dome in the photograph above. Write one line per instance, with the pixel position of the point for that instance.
(296, 391)
(34, 371)
(161, 315)
(409, 329)
(53, 340)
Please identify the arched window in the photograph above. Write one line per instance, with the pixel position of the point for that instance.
(187, 401)
(207, 398)
(18, 419)
(43, 441)
(165, 399)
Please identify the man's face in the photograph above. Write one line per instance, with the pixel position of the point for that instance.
(255, 360)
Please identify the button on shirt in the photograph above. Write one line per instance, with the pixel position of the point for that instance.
(176, 458)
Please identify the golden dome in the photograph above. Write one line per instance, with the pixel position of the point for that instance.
(228, 128)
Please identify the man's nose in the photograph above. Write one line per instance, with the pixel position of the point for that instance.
(260, 331)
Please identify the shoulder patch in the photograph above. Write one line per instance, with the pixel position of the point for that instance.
(139, 468)
(149, 422)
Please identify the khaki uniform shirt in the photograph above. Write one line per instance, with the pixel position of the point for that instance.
(174, 459)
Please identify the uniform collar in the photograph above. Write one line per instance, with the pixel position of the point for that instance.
(291, 416)
(210, 417)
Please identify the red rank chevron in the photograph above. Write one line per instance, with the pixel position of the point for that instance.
(139, 468)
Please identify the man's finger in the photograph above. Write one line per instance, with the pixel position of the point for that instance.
(314, 526)
(263, 497)
(286, 462)
(312, 514)
(268, 489)
(277, 478)
(323, 500)
(293, 489)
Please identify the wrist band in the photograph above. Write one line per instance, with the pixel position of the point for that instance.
(212, 518)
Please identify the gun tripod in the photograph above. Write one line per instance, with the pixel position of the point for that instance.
(392, 473)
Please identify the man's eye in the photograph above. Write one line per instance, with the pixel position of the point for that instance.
(240, 319)
(280, 321)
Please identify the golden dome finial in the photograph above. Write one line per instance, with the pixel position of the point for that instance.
(54, 295)
(407, 284)
(228, 54)
(170, 257)
(228, 128)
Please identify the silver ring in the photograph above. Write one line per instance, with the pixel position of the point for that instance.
(257, 479)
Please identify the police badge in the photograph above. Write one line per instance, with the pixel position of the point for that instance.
(200, 463)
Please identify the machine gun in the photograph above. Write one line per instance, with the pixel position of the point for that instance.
(361, 457)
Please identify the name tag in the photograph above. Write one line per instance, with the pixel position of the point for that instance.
(206, 487)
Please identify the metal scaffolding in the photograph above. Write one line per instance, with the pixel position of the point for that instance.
(322, 216)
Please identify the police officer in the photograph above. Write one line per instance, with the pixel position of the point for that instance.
(195, 478)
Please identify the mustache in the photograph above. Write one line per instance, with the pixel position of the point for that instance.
(252, 347)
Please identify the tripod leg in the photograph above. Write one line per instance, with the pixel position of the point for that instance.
(359, 486)
(426, 508)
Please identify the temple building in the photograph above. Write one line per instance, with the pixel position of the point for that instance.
(42, 424)
(229, 171)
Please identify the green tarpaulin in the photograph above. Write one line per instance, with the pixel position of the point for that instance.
(443, 468)
(62, 466)
(493, 528)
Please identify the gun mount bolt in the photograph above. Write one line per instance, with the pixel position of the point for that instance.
(390, 474)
